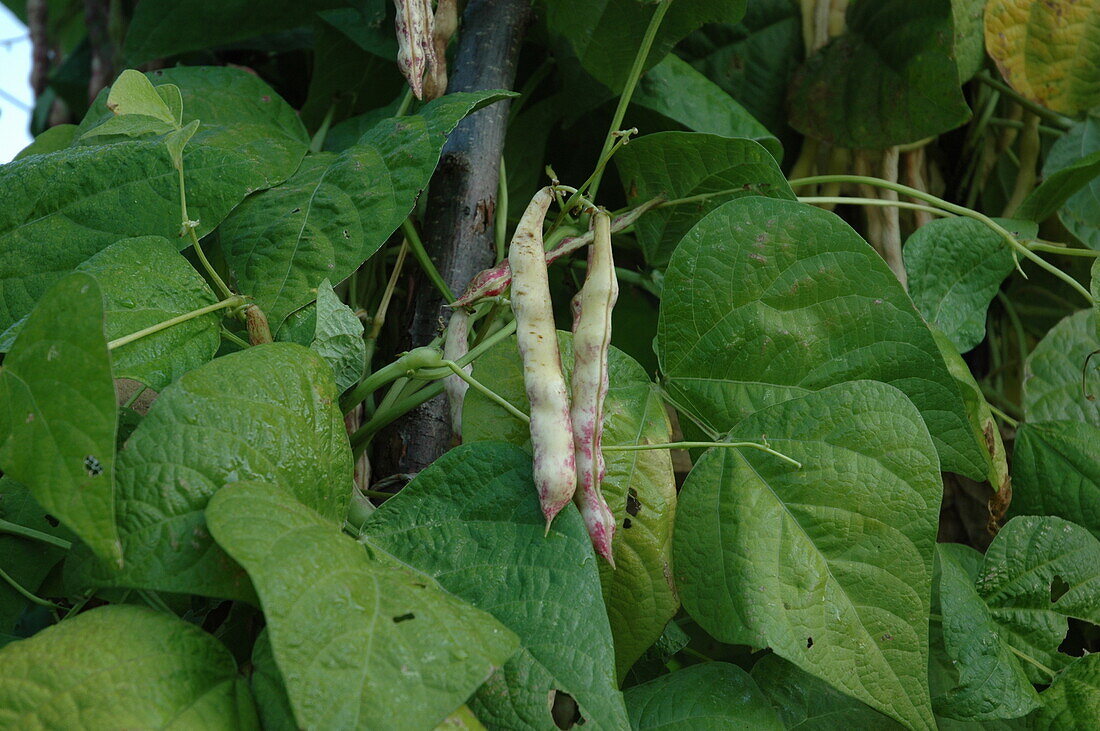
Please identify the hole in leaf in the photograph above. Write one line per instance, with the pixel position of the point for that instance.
(54, 522)
(633, 505)
(403, 618)
(297, 210)
(627, 523)
(809, 642)
(564, 710)
(1058, 588)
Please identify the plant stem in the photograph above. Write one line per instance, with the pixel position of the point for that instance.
(1015, 124)
(318, 141)
(29, 596)
(1002, 415)
(700, 445)
(15, 529)
(1040, 111)
(500, 226)
(631, 82)
(189, 226)
(232, 301)
(1029, 159)
(417, 247)
(486, 391)
(406, 102)
(231, 337)
(1030, 659)
(1064, 250)
(841, 200)
(956, 209)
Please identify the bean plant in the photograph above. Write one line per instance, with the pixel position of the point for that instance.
(832, 405)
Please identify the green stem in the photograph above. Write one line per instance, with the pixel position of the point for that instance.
(1029, 159)
(232, 337)
(486, 391)
(189, 226)
(1002, 415)
(700, 445)
(134, 396)
(1040, 111)
(699, 198)
(231, 301)
(406, 102)
(425, 357)
(15, 529)
(840, 200)
(577, 195)
(953, 208)
(318, 141)
(1064, 250)
(421, 254)
(1016, 124)
(500, 227)
(631, 82)
(1030, 659)
(24, 593)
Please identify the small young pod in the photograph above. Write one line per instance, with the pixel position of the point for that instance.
(551, 436)
(592, 309)
(455, 346)
(415, 48)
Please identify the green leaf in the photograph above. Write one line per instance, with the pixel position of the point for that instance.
(132, 93)
(268, 413)
(1054, 389)
(58, 417)
(686, 164)
(890, 79)
(955, 267)
(122, 667)
(639, 487)
(63, 207)
(333, 331)
(472, 521)
(830, 565)
(1058, 187)
(713, 695)
(767, 300)
(969, 37)
(1080, 213)
(991, 683)
(810, 704)
(605, 34)
(1038, 572)
(1055, 471)
(653, 662)
(53, 139)
(754, 60)
(268, 688)
(676, 90)
(26, 560)
(162, 28)
(1049, 51)
(362, 641)
(338, 209)
(1073, 700)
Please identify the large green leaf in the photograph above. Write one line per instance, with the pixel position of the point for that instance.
(333, 331)
(1054, 388)
(146, 281)
(1081, 211)
(830, 565)
(1056, 471)
(272, 702)
(807, 703)
(167, 27)
(676, 90)
(1073, 700)
(639, 486)
(686, 164)
(766, 300)
(991, 681)
(63, 207)
(338, 209)
(955, 267)
(753, 60)
(710, 697)
(472, 520)
(1038, 572)
(362, 641)
(605, 34)
(969, 36)
(888, 80)
(1048, 51)
(267, 413)
(57, 413)
(123, 667)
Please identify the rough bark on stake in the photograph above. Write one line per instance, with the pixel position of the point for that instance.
(458, 230)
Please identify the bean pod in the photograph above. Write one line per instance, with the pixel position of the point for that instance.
(592, 309)
(415, 48)
(551, 433)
